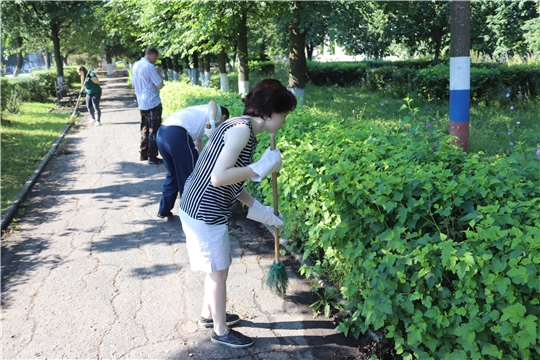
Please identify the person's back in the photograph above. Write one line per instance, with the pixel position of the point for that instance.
(145, 80)
(192, 118)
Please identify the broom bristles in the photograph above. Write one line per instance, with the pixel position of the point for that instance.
(277, 279)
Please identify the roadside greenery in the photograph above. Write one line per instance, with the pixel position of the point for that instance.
(38, 87)
(26, 139)
(438, 248)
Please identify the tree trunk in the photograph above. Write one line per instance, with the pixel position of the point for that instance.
(20, 57)
(206, 74)
(222, 66)
(297, 56)
(110, 66)
(460, 71)
(55, 30)
(438, 43)
(48, 60)
(243, 69)
(195, 70)
(176, 66)
(165, 69)
(309, 51)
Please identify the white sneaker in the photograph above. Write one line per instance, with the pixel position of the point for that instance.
(97, 123)
(92, 121)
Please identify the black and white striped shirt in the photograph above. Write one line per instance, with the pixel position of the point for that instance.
(200, 199)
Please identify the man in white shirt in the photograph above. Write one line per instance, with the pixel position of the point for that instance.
(179, 140)
(146, 79)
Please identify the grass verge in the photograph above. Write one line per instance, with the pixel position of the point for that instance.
(494, 128)
(26, 139)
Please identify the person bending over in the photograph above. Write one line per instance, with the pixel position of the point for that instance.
(179, 141)
(214, 186)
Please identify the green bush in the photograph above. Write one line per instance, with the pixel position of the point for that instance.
(438, 247)
(39, 86)
(262, 67)
(178, 95)
(488, 81)
(335, 73)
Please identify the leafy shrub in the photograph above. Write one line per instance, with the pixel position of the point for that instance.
(262, 67)
(399, 80)
(438, 247)
(178, 95)
(431, 82)
(5, 86)
(334, 73)
(39, 86)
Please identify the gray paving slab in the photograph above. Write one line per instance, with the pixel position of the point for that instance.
(93, 273)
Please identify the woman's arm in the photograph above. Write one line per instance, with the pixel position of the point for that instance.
(246, 198)
(212, 110)
(224, 172)
(198, 145)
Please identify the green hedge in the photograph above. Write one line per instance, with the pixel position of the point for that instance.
(335, 73)
(262, 67)
(178, 95)
(488, 81)
(39, 86)
(438, 248)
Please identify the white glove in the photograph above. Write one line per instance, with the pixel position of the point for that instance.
(265, 215)
(270, 162)
(209, 132)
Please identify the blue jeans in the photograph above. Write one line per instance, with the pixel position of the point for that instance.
(179, 157)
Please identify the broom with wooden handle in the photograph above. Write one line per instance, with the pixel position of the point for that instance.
(277, 278)
(73, 117)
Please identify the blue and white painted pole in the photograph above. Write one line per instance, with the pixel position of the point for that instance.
(460, 71)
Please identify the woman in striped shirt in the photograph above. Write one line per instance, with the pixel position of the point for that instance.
(216, 183)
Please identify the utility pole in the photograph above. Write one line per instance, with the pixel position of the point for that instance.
(460, 70)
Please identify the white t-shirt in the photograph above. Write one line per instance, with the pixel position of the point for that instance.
(193, 119)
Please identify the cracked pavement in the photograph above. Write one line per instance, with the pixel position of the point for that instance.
(91, 272)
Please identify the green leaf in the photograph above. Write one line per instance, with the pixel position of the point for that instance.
(513, 313)
(519, 275)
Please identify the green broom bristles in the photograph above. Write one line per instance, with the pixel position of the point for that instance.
(277, 278)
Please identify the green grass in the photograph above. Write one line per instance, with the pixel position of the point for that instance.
(489, 124)
(26, 139)
(27, 136)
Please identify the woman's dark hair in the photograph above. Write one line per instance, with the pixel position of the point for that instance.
(224, 111)
(268, 96)
(84, 72)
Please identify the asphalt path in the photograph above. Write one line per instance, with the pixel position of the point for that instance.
(90, 272)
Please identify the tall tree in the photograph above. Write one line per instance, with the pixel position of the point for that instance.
(54, 17)
(531, 30)
(363, 28)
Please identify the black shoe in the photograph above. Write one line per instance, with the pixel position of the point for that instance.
(143, 157)
(155, 160)
(233, 339)
(160, 215)
(230, 319)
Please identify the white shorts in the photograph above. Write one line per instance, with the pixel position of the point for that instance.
(208, 246)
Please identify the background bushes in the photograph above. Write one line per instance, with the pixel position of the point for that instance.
(488, 81)
(438, 247)
(38, 87)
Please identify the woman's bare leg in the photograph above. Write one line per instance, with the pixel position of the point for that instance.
(215, 297)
